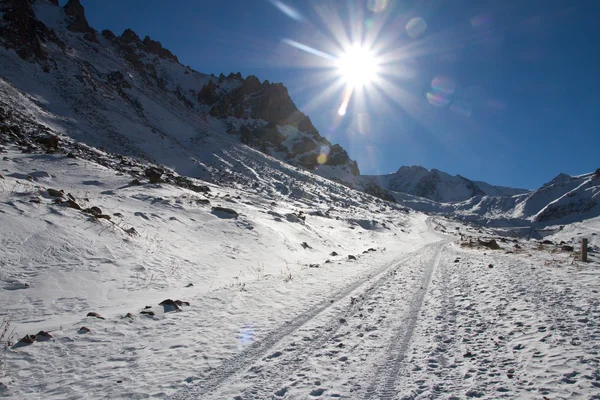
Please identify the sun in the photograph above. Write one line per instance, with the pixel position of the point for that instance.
(358, 66)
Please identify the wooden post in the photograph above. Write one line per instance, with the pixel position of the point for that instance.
(584, 246)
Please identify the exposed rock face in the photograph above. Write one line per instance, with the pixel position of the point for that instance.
(21, 31)
(270, 102)
(80, 23)
(154, 47)
(109, 34)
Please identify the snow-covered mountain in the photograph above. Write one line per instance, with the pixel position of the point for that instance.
(437, 185)
(132, 96)
(563, 200)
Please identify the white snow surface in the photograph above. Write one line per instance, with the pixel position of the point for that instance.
(403, 321)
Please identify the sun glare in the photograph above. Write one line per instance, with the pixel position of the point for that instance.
(358, 66)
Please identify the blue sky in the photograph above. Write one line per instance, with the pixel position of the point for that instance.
(502, 91)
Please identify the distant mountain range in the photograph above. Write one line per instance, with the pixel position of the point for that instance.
(437, 185)
(133, 97)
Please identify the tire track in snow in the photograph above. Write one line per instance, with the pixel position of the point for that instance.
(383, 385)
(270, 379)
(259, 349)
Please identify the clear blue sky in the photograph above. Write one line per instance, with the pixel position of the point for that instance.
(502, 91)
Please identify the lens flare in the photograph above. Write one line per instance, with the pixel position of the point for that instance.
(323, 155)
(416, 27)
(377, 5)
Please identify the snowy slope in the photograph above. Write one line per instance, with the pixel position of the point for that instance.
(437, 185)
(133, 97)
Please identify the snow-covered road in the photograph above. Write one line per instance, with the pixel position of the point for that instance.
(368, 323)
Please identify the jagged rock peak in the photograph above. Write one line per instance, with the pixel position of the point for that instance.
(129, 36)
(148, 45)
(107, 33)
(75, 9)
(80, 23)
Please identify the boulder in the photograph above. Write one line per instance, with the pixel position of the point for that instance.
(43, 336)
(169, 305)
(154, 174)
(223, 212)
(95, 315)
(84, 330)
(492, 244)
(55, 193)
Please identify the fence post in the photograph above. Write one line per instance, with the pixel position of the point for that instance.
(584, 246)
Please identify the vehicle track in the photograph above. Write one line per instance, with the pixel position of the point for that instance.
(383, 384)
(269, 380)
(259, 349)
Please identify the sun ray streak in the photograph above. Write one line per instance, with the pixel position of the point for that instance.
(309, 49)
(347, 95)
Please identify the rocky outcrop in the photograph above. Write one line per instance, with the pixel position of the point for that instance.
(108, 34)
(79, 23)
(154, 47)
(21, 31)
(270, 102)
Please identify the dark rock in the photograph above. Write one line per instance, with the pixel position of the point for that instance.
(50, 142)
(154, 47)
(490, 266)
(108, 34)
(492, 244)
(189, 285)
(22, 31)
(55, 193)
(333, 254)
(351, 257)
(223, 212)
(83, 330)
(468, 354)
(80, 24)
(182, 303)
(313, 266)
(129, 315)
(567, 247)
(371, 249)
(95, 211)
(547, 242)
(95, 315)
(129, 36)
(71, 155)
(147, 312)
(25, 341)
(154, 174)
(135, 182)
(305, 245)
(73, 204)
(131, 231)
(169, 305)
(43, 336)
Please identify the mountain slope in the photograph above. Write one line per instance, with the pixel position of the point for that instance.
(437, 185)
(131, 96)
